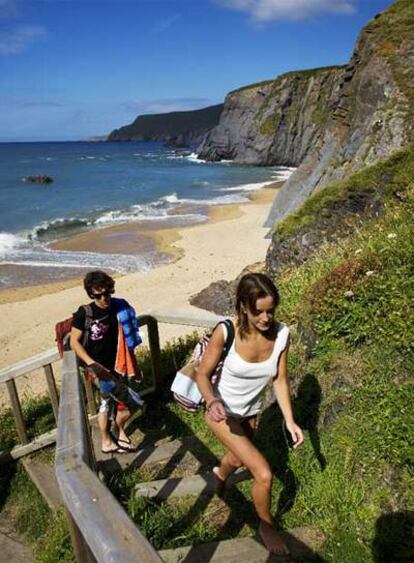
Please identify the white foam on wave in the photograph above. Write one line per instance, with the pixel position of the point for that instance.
(282, 173)
(220, 200)
(170, 198)
(247, 187)
(194, 158)
(10, 242)
(43, 257)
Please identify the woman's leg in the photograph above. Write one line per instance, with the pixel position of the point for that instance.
(233, 435)
(229, 462)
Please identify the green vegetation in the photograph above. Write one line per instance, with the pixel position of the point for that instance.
(394, 30)
(380, 181)
(168, 125)
(350, 308)
(38, 416)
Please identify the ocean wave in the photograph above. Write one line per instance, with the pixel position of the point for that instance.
(56, 228)
(247, 187)
(282, 173)
(44, 257)
(10, 242)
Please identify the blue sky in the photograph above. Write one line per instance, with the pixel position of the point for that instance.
(70, 69)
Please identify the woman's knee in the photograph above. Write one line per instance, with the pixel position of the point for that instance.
(263, 475)
(233, 460)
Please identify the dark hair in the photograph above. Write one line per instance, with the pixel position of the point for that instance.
(96, 279)
(251, 288)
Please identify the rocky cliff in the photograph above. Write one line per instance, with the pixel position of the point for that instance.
(278, 121)
(329, 122)
(179, 128)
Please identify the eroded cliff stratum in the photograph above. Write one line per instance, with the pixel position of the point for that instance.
(330, 121)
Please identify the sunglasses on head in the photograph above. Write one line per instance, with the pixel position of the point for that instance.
(107, 293)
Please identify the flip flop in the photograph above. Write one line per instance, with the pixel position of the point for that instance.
(118, 450)
(128, 447)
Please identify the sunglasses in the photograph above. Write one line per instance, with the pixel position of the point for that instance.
(107, 293)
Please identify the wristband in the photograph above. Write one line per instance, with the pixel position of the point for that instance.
(211, 403)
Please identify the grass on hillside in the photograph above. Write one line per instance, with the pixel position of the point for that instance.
(350, 309)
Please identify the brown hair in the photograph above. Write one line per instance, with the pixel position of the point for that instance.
(251, 288)
(100, 279)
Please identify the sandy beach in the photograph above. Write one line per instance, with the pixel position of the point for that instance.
(233, 238)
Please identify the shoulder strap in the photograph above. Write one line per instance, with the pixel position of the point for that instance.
(230, 337)
(88, 323)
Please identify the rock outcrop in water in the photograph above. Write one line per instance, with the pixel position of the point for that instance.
(330, 122)
(179, 128)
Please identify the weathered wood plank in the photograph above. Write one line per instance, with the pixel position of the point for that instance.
(90, 397)
(154, 345)
(302, 542)
(53, 393)
(29, 364)
(43, 476)
(197, 318)
(17, 411)
(193, 485)
(95, 512)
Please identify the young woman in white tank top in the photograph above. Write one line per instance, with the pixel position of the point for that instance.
(258, 355)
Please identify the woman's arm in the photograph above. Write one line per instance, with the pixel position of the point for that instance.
(211, 357)
(282, 392)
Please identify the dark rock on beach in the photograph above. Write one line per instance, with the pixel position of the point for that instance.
(41, 179)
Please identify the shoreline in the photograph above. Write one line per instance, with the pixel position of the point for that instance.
(219, 249)
(135, 237)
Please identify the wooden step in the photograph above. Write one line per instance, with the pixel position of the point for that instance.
(43, 476)
(193, 485)
(146, 456)
(302, 542)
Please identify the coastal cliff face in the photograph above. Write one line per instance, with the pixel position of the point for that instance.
(179, 128)
(329, 122)
(274, 122)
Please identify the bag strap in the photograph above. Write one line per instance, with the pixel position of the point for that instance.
(229, 339)
(88, 323)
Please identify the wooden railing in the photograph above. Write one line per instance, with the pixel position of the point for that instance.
(45, 361)
(100, 529)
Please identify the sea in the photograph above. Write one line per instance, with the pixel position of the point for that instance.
(100, 184)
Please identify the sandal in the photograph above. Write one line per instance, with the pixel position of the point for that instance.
(128, 447)
(117, 450)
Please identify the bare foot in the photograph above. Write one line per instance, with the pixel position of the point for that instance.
(221, 483)
(272, 540)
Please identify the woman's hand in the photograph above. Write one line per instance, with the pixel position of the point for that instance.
(296, 433)
(216, 411)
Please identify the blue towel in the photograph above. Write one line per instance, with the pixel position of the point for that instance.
(128, 319)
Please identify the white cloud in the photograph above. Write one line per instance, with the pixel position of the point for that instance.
(268, 10)
(19, 39)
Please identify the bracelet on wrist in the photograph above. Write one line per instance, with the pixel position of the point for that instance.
(211, 403)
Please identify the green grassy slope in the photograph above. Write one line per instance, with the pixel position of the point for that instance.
(350, 309)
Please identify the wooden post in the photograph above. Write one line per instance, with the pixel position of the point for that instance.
(90, 397)
(80, 548)
(17, 411)
(154, 345)
(51, 384)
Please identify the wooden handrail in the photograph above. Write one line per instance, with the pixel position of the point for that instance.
(100, 529)
(44, 361)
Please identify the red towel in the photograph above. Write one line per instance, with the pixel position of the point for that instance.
(126, 362)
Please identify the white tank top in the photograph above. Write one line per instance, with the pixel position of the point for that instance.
(242, 384)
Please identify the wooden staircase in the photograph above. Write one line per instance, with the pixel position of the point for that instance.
(185, 472)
